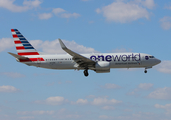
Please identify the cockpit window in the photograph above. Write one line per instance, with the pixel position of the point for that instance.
(151, 57)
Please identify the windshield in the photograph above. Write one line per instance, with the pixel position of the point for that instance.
(151, 57)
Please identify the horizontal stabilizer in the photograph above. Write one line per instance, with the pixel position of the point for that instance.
(18, 56)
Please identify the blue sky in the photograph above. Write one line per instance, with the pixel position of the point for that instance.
(86, 26)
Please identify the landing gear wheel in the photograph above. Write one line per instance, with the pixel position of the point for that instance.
(86, 73)
(145, 71)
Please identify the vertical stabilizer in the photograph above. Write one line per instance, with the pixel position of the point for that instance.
(23, 47)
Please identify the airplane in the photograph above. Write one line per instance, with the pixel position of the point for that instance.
(99, 62)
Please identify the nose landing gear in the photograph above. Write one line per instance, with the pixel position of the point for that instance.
(86, 72)
(145, 71)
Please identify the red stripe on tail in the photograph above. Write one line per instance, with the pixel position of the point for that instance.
(20, 48)
(28, 53)
(15, 36)
(17, 42)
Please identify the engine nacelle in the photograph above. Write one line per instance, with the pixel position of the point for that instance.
(102, 67)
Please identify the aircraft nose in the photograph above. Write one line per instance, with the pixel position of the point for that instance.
(158, 61)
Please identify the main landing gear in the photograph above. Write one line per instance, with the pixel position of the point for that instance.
(86, 72)
(145, 71)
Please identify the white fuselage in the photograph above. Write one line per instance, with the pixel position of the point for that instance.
(116, 60)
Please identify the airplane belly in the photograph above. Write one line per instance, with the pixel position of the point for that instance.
(58, 65)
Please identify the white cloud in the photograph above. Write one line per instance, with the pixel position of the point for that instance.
(136, 116)
(57, 100)
(36, 43)
(98, 10)
(105, 101)
(91, 96)
(43, 112)
(9, 4)
(110, 86)
(164, 67)
(167, 7)
(8, 89)
(54, 46)
(67, 116)
(64, 114)
(58, 10)
(147, 3)
(134, 92)
(34, 3)
(69, 15)
(51, 47)
(97, 101)
(59, 114)
(70, 116)
(145, 86)
(127, 110)
(140, 88)
(45, 16)
(104, 117)
(167, 107)
(91, 22)
(40, 112)
(26, 117)
(124, 12)
(162, 106)
(82, 101)
(161, 93)
(108, 108)
(12, 74)
(6, 43)
(166, 22)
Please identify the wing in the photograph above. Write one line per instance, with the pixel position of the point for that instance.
(83, 62)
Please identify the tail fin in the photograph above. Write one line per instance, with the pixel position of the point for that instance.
(23, 47)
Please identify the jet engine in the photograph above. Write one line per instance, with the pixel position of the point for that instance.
(102, 67)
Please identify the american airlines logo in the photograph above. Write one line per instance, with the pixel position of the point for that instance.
(124, 58)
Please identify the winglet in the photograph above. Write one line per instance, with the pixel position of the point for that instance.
(62, 44)
(76, 55)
